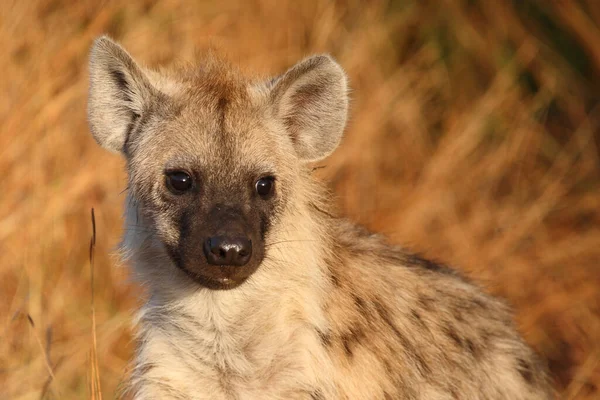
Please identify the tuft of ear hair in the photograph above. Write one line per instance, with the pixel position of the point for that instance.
(120, 93)
(311, 99)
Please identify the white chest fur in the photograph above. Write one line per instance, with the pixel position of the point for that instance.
(226, 345)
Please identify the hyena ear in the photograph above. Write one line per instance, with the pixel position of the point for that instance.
(120, 93)
(311, 99)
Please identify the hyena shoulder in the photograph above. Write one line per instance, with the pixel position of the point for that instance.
(421, 329)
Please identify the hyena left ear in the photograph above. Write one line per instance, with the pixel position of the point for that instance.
(311, 99)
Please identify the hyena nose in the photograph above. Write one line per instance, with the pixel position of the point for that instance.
(222, 250)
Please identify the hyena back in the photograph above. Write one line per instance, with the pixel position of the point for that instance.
(257, 290)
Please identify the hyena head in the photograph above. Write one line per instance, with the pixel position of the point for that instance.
(214, 158)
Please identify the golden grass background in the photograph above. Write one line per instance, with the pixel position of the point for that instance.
(474, 139)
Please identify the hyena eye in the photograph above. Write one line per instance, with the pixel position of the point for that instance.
(178, 182)
(265, 186)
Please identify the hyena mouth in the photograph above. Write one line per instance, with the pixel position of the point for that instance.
(211, 276)
(216, 283)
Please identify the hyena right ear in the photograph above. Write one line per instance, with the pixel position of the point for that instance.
(311, 99)
(120, 93)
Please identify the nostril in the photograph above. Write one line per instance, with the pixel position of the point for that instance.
(244, 250)
(221, 250)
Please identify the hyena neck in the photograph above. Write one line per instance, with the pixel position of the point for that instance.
(265, 330)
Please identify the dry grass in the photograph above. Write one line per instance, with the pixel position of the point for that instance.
(474, 139)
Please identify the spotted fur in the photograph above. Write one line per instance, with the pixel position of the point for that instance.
(330, 311)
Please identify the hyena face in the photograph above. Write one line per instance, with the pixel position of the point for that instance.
(213, 158)
(210, 197)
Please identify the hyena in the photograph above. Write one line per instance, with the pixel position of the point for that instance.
(256, 288)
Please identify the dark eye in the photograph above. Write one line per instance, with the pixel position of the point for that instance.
(265, 186)
(178, 182)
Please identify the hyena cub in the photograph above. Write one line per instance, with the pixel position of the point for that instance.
(256, 289)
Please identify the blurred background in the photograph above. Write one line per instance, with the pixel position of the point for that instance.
(474, 139)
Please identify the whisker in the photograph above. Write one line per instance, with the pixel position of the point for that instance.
(290, 241)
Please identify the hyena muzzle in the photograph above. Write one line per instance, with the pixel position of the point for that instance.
(256, 288)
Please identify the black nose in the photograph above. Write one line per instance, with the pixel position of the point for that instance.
(222, 250)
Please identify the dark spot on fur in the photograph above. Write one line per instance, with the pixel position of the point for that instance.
(387, 396)
(453, 392)
(525, 370)
(317, 395)
(472, 348)
(422, 365)
(459, 315)
(335, 280)
(405, 343)
(388, 367)
(384, 314)
(325, 338)
(360, 304)
(453, 335)
(426, 302)
(352, 339)
(392, 254)
(347, 348)
(222, 103)
(357, 333)
(416, 316)
(333, 266)
(467, 344)
(396, 377)
(414, 260)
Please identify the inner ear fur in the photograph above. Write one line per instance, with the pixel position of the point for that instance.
(311, 99)
(120, 92)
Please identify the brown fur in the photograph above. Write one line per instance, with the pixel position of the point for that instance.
(331, 311)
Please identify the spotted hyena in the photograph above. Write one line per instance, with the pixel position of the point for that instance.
(257, 290)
